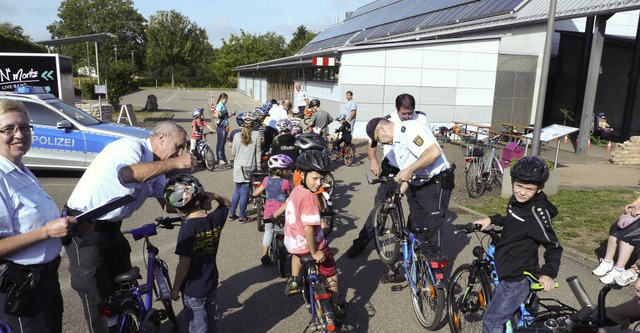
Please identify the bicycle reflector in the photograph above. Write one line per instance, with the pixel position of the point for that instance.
(439, 264)
(108, 308)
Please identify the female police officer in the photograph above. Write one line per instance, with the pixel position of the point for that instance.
(30, 233)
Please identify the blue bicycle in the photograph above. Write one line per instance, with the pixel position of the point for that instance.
(472, 285)
(317, 294)
(423, 262)
(132, 304)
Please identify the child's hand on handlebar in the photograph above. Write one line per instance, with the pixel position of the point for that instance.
(484, 223)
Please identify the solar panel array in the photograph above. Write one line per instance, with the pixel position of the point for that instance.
(384, 18)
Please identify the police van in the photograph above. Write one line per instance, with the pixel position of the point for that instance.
(65, 137)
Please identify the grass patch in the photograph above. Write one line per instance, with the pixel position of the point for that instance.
(584, 216)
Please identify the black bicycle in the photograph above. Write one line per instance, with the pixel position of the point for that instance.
(278, 251)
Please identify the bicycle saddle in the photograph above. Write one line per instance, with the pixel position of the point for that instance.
(130, 275)
(307, 259)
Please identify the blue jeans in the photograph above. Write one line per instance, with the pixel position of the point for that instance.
(201, 313)
(505, 302)
(221, 133)
(241, 195)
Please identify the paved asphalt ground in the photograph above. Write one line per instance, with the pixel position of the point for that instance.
(251, 296)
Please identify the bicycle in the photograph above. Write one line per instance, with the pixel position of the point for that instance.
(204, 153)
(482, 173)
(472, 285)
(277, 250)
(316, 293)
(423, 262)
(132, 304)
(347, 152)
(256, 177)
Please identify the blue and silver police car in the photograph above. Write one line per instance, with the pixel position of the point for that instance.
(65, 137)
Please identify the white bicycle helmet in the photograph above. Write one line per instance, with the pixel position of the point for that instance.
(280, 161)
(249, 116)
(341, 116)
(283, 125)
(197, 113)
(311, 141)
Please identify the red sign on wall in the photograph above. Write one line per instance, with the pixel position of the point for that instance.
(324, 61)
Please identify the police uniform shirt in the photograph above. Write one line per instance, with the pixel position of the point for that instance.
(393, 117)
(410, 139)
(25, 207)
(100, 183)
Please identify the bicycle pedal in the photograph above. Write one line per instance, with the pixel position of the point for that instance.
(397, 288)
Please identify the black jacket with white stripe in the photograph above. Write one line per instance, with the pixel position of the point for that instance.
(526, 227)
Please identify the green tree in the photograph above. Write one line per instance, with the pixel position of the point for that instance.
(13, 39)
(246, 49)
(175, 44)
(119, 81)
(86, 17)
(301, 37)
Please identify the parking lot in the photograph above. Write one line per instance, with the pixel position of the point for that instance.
(251, 296)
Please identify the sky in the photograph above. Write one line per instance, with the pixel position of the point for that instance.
(218, 18)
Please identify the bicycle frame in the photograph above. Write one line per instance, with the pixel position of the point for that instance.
(317, 289)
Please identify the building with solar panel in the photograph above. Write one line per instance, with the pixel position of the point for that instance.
(477, 61)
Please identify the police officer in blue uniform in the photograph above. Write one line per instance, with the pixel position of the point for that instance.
(425, 175)
(405, 106)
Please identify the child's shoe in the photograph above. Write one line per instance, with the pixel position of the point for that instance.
(609, 278)
(293, 287)
(603, 268)
(233, 217)
(266, 260)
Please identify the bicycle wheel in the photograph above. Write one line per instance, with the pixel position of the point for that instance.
(349, 154)
(329, 182)
(280, 256)
(473, 179)
(324, 312)
(428, 302)
(129, 321)
(385, 233)
(258, 204)
(209, 159)
(163, 278)
(467, 300)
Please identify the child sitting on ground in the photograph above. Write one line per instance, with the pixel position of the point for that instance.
(526, 227)
(277, 187)
(303, 231)
(197, 125)
(344, 132)
(197, 245)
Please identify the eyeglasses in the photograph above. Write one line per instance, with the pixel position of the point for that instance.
(9, 130)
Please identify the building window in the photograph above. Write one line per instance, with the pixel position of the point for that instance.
(515, 84)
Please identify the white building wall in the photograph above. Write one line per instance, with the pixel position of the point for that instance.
(450, 80)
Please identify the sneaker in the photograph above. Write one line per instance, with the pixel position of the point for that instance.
(603, 268)
(222, 163)
(627, 276)
(608, 279)
(293, 286)
(266, 260)
(244, 220)
(233, 217)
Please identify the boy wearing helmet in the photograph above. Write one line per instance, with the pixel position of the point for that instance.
(320, 120)
(284, 142)
(526, 227)
(303, 225)
(277, 187)
(197, 129)
(344, 131)
(197, 245)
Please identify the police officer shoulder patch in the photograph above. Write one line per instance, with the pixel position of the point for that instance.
(418, 141)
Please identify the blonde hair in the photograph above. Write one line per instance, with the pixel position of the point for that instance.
(246, 135)
(9, 105)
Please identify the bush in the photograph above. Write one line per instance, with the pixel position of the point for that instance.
(120, 79)
(87, 89)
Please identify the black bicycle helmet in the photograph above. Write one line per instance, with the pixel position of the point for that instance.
(314, 160)
(311, 141)
(530, 169)
(314, 102)
(183, 191)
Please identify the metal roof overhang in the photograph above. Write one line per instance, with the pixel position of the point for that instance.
(296, 61)
(77, 39)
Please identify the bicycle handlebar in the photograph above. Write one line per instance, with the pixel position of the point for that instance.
(150, 229)
(391, 177)
(471, 228)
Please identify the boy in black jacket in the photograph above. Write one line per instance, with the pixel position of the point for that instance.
(526, 227)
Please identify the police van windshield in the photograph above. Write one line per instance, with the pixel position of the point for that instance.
(75, 113)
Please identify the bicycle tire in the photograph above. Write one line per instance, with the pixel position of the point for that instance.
(349, 155)
(259, 208)
(465, 308)
(328, 179)
(385, 233)
(166, 302)
(330, 219)
(209, 159)
(129, 320)
(495, 177)
(305, 288)
(324, 313)
(428, 303)
(280, 257)
(473, 179)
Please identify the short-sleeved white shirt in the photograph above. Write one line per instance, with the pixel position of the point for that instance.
(25, 207)
(301, 97)
(276, 113)
(349, 106)
(100, 183)
(410, 139)
(393, 117)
